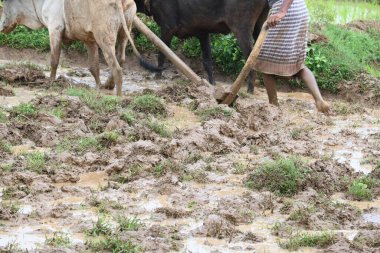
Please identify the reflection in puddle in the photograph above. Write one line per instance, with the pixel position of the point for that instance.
(22, 95)
(26, 210)
(93, 180)
(372, 217)
(157, 202)
(30, 237)
(354, 158)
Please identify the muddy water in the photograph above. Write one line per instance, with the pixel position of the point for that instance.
(22, 95)
(93, 180)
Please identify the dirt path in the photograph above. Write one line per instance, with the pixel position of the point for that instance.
(185, 191)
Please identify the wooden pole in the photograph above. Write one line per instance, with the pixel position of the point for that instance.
(178, 63)
(247, 67)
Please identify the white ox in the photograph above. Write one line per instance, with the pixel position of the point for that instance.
(98, 23)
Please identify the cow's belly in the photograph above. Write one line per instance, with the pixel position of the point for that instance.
(189, 31)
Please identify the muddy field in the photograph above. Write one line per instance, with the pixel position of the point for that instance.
(166, 169)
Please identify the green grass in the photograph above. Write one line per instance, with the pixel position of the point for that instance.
(8, 209)
(113, 244)
(81, 145)
(36, 162)
(101, 227)
(360, 191)
(5, 146)
(3, 117)
(321, 240)
(98, 102)
(128, 116)
(6, 167)
(108, 139)
(24, 111)
(159, 128)
(214, 113)
(149, 104)
(57, 112)
(128, 224)
(58, 239)
(23, 37)
(284, 176)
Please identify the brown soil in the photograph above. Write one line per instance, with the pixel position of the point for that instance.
(187, 191)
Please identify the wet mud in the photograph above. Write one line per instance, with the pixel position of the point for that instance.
(187, 191)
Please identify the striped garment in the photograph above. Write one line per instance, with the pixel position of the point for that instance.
(284, 49)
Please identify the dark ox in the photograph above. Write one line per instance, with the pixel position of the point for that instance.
(199, 18)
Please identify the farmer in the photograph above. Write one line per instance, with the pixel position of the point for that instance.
(284, 49)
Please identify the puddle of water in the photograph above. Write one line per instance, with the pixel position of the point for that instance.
(93, 180)
(354, 158)
(22, 95)
(156, 202)
(372, 217)
(182, 118)
(30, 237)
(26, 210)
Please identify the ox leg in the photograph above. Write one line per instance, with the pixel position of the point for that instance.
(93, 61)
(55, 45)
(110, 57)
(245, 40)
(166, 37)
(121, 44)
(206, 54)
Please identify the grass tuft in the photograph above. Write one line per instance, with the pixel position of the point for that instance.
(159, 128)
(36, 162)
(360, 191)
(214, 113)
(98, 102)
(24, 111)
(321, 240)
(284, 176)
(58, 239)
(149, 104)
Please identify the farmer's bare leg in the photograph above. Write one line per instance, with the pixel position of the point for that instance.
(308, 78)
(270, 85)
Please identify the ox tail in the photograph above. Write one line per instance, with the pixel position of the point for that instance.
(144, 63)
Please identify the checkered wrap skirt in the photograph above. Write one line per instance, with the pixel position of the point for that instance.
(284, 49)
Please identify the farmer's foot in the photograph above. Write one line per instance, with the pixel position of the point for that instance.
(274, 101)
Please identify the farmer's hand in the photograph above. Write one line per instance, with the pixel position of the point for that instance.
(274, 19)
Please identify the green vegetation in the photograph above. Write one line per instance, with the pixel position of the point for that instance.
(23, 37)
(360, 191)
(149, 104)
(3, 116)
(128, 116)
(24, 111)
(320, 240)
(101, 227)
(128, 224)
(214, 113)
(98, 102)
(36, 162)
(81, 145)
(58, 239)
(108, 139)
(8, 209)
(6, 167)
(284, 176)
(12, 247)
(113, 244)
(159, 128)
(5, 146)
(57, 112)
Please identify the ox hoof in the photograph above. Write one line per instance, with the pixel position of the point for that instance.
(323, 106)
